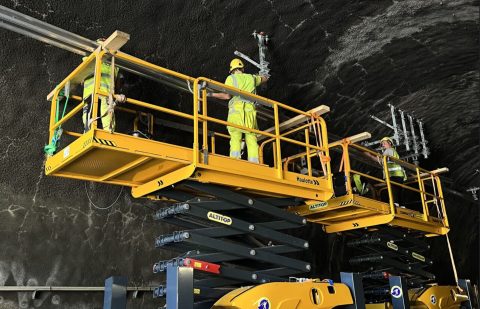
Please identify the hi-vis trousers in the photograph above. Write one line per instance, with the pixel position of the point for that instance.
(243, 114)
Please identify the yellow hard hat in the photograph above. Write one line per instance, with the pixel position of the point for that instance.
(386, 138)
(236, 64)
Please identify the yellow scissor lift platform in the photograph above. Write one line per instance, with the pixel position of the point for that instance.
(351, 211)
(148, 165)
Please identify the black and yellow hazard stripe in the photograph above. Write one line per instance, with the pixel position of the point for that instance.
(346, 202)
(104, 142)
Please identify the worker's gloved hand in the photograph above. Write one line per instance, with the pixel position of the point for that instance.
(209, 95)
(264, 74)
(120, 98)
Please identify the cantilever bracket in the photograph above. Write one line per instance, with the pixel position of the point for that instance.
(262, 65)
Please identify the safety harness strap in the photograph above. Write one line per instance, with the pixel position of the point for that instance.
(51, 148)
(396, 168)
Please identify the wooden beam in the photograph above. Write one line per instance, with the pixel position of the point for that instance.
(359, 137)
(353, 139)
(435, 172)
(295, 121)
(115, 41)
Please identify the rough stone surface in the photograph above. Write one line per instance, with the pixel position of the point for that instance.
(355, 57)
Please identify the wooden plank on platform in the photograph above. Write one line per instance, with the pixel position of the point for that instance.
(318, 111)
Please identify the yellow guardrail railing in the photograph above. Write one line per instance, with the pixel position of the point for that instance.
(53, 110)
(199, 115)
(311, 150)
(92, 64)
(200, 96)
(418, 182)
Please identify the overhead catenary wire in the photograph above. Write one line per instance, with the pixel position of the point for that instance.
(55, 36)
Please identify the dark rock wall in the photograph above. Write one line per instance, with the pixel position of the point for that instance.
(355, 56)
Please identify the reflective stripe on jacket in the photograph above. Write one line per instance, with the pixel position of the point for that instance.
(241, 110)
(244, 82)
(394, 169)
(104, 81)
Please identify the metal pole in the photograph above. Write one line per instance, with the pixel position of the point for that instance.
(394, 123)
(454, 268)
(425, 151)
(262, 40)
(278, 152)
(421, 187)
(405, 131)
(382, 122)
(414, 138)
(245, 57)
(389, 185)
(196, 105)
(308, 158)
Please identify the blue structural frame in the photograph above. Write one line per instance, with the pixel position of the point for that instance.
(399, 292)
(355, 284)
(179, 287)
(115, 296)
(472, 301)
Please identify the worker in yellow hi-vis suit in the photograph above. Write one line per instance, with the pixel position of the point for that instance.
(396, 172)
(106, 116)
(241, 111)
